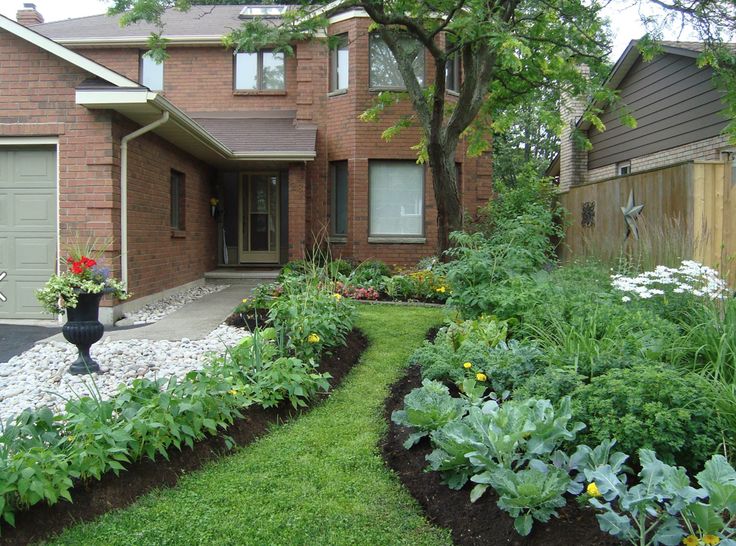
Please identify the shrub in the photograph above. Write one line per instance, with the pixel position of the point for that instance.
(648, 406)
(456, 344)
(550, 383)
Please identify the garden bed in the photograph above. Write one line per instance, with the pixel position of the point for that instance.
(93, 498)
(481, 522)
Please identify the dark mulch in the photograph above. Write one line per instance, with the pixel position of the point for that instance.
(482, 522)
(93, 498)
(255, 318)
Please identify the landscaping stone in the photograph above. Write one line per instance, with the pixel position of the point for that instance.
(40, 375)
(157, 310)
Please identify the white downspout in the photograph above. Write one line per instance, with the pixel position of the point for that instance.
(124, 191)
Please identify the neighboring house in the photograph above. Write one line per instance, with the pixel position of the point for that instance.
(679, 113)
(677, 162)
(275, 139)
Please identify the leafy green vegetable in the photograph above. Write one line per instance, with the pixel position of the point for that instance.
(427, 409)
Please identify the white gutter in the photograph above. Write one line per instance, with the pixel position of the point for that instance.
(124, 191)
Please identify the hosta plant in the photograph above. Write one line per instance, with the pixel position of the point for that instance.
(428, 408)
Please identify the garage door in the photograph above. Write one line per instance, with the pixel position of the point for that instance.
(27, 228)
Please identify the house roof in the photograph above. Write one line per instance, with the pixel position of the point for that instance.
(68, 55)
(254, 133)
(200, 23)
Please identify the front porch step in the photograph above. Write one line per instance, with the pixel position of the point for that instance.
(229, 275)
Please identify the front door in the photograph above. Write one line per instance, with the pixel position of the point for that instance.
(259, 218)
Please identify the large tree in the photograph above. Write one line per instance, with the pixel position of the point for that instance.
(508, 49)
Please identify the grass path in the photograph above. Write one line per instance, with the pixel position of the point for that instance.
(317, 480)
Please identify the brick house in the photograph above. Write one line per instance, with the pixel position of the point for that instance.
(97, 139)
(679, 112)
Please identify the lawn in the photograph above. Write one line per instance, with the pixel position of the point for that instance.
(317, 480)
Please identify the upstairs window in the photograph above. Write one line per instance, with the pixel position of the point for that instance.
(452, 74)
(623, 168)
(152, 73)
(261, 71)
(384, 70)
(339, 63)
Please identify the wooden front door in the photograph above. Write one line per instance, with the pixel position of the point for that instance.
(258, 239)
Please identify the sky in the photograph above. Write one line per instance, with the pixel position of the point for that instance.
(625, 22)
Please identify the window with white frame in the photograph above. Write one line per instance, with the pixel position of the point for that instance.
(152, 72)
(396, 198)
(452, 69)
(339, 64)
(384, 70)
(623, 168)
(260, 71)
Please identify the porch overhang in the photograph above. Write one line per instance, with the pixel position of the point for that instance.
(144, 106)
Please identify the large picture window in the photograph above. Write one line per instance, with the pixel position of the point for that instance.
(261, 71)
(339, 63)
(384, 70)
(339, 198)
(396, 198)
(152, 73)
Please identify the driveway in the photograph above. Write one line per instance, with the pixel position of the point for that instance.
(16, 338)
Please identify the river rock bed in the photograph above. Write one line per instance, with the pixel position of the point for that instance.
(158, 309)
(39, 377)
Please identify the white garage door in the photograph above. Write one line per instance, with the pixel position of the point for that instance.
(27, 228)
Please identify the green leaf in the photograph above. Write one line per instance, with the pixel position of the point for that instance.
(477, 492)
(523, 524)
(614, 524)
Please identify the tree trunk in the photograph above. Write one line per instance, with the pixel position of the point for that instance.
(446, 194)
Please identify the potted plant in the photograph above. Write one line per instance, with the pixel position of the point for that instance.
(78, 291)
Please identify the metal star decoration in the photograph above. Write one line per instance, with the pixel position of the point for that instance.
(631, 212)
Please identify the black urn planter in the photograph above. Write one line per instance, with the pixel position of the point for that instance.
(83, 329)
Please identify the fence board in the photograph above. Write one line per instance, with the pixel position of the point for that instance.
(686, 212)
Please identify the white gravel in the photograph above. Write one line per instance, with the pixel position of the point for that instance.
(158, 309)
(39, 376)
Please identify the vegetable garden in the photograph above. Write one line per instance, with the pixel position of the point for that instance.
(553, 404)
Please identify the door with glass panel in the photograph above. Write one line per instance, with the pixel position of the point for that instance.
(259, 218)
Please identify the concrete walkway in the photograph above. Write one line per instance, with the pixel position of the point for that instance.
(193, 321)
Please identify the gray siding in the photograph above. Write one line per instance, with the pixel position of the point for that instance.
(674, 103)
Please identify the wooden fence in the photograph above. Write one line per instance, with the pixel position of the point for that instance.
(688, 213)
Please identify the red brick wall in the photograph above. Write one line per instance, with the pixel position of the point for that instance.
(37, 98)
(159, 257)
(199, 79)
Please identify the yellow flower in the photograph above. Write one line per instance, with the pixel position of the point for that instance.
(232, 391)
(337, 296)
(468, 365)
(245, 300)
(441, 289)
(481, 377)
(313, 338)
(690, 540)
(592, 490)
(711, 539)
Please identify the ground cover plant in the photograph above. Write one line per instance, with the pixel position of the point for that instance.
(642, 358)
(316, 480)
(43, 454)
(373, 280)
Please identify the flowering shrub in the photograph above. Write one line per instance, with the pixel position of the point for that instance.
(690, 278)
(83, 275)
